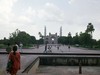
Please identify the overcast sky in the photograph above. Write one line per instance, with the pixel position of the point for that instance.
(32, 15)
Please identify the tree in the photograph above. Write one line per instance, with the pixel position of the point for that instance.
(85, 39)
(14, 34)
(63, 40)
(33, 39)
(69, 38)
(98, 43)
(90, 29)
(23, 37)
(76, 39)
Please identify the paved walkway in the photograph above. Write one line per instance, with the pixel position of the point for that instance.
(62, 49)
(26, 59)
(67, 70)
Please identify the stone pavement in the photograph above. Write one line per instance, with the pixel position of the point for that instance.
(62, 49)
(67, 70)
(27, 59)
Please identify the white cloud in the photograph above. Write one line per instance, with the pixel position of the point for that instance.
(6, 10)
(51, 13)
(74, 17)
(5, 16)
(6, 5)
(71, 1)
(30, 16)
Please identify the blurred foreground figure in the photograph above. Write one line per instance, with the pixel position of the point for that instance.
(14, 57)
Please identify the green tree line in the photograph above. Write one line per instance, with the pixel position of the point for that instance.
(83, 39)
(19, 37)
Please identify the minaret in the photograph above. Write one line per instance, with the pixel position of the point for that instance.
(45, 35)
(61, 31)
(45, 31)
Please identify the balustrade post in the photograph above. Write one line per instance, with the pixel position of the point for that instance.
(80, 67)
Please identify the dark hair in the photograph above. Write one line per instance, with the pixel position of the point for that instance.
(14, 49)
